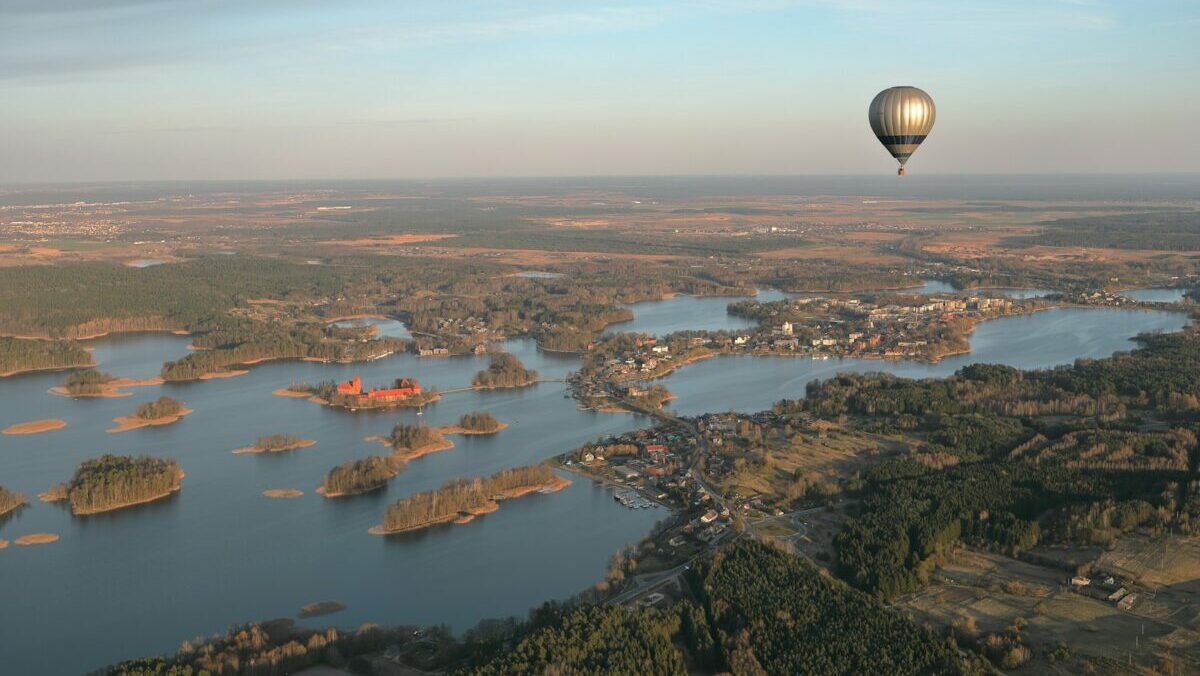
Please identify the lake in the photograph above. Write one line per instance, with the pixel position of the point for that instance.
(139, 581)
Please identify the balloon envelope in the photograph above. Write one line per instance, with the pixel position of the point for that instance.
(901, 118)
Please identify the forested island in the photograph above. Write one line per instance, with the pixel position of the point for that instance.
(461, 500)
(505, 370)
(360, 476)
(410, 442)
(87, 383)
(10, 502)
(246, 343)
(18, 355)
(478, 422)
(162, 411)
(96, 383)
(276, 443)
(117, 481)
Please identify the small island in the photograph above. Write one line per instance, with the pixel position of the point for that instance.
(94, 383)
(410, 442)
(36, 539)
(161, 411)
(10, 503)
(282, 493)
(360, 476)
(461, 500)
(276, 443)
(478, 422)
(35, 426)
(116, 481)
(504, 371)
(321, 608)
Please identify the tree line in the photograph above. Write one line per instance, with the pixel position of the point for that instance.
(113, 481)
(19, 354)
(361, 476)
(461, 496)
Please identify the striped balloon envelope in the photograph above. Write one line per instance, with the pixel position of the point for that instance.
(901, 118)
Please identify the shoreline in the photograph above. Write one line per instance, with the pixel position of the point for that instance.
(223, 374)
(126, 423)
(492, 505)
(286, 493)
(455, 429)
(123, 505)
(36, 369)
(35, 427)
(413, 453)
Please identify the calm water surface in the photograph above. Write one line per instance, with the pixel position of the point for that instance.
(141, 580)
(1156, 295)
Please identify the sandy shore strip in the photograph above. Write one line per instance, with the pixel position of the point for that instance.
(132, 422)
(223, 374)
(111, 389)
(35, 426)
(36, 539)
(282, 493)
(284, 392)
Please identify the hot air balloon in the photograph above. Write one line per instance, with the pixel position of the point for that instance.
(901, 117)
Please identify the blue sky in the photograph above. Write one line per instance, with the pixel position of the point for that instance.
(187, 89)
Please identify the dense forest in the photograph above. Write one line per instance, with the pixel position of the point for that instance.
(360, 476)
(86, 382)
(596, 640)
(1006, 459)
(84, 299)
(277, 442)
(459, 497)
(163, 407)
(816, 626)
(228, 343)
(19, 354)
(479, 422)
(113, 481)
(1162, 231)
(505, 370)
